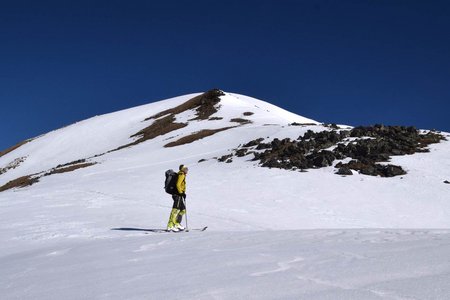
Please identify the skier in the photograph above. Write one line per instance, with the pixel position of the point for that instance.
(179, 198)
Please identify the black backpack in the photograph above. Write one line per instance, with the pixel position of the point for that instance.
(170, 184)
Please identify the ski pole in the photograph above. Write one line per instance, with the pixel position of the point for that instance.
(185, 208)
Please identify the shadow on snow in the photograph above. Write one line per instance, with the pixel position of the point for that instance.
(140, 229)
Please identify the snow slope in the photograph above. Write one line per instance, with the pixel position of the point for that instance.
(100, 134)
(273, 234)
(317, 264)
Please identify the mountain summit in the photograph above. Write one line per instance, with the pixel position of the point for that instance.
(173, 122)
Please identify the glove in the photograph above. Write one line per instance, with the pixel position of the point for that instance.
(183, 195)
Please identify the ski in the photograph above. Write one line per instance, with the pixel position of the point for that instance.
(162, 231)
(167, 231)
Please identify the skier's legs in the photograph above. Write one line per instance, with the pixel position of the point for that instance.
(178, 203)
(173, 218)
(178, 210)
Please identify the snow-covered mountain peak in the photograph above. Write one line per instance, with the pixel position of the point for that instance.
(178, 120)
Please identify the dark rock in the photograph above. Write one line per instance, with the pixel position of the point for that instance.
(363, 168)
(321, 159)
(253, 143)
(241, 152)
(339, 165)
(368, 167)
(272, 163)
(332, 125)
(225, 157)
(344, 171)
(391, 170)
(308, 135)
(368, 170)
(263, 146)
(447, 182)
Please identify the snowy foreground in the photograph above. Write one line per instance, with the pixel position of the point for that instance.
(272, 234)
(308, 264)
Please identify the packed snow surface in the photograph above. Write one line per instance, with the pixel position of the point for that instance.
(298, 264)
(272, 234)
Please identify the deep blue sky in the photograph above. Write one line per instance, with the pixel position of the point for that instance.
(348, 62)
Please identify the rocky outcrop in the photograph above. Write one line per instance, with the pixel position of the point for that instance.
(226, 158)
(368, 167)
(378, 143)
(12, 165)
(204, 104)
(366, 146)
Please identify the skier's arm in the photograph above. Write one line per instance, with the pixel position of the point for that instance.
(180, 184)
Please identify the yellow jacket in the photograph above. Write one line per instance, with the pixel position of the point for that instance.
(181, 182)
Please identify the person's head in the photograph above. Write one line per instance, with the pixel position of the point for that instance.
(184, 169)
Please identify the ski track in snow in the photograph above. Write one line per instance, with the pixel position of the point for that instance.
(282, 267)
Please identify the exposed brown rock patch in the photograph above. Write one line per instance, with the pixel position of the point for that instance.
(204, 105)
(195, 136)
(20, 182)
(159, 127)
(241, 121)
(303, 124)
(80, 161)
(68, 169)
